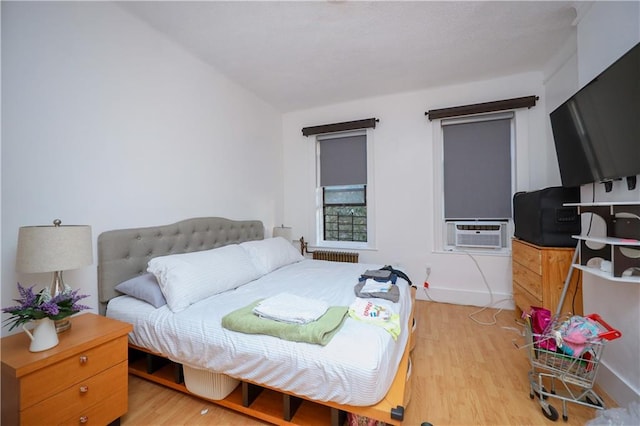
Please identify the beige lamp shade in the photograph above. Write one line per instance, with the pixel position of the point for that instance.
(282, 231)
(53, 248)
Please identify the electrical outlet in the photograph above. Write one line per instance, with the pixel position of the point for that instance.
(428, 269)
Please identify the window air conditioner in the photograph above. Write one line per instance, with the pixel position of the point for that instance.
(489, 235)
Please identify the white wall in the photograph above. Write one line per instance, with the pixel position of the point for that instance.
(405, 189)
(107, 123)
(605, 33)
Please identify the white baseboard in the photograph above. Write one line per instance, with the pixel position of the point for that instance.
(615, 386)
(466, 297)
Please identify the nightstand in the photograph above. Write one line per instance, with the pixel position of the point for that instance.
(83, 380)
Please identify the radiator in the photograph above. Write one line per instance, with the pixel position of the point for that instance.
(336, 256)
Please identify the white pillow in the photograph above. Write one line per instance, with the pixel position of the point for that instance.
(190, 277)
(271, 254)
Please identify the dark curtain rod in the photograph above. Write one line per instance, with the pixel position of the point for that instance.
(505, 104)
(340, 127)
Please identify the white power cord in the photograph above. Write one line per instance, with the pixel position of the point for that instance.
(489, 305)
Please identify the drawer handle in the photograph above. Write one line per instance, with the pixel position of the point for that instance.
(84, 419)
(84, 359)
(84, 389)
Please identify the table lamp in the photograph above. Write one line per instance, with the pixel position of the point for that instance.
(282, 231)
(54, 249)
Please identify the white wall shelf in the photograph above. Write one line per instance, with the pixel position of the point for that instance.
(623, 251)
(614, 241)
(604, 203)
(607, 275)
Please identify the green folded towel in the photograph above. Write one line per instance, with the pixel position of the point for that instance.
(318, 332)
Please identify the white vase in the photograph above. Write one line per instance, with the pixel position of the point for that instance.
(43, 336)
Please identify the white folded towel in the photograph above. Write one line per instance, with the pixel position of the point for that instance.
(290, 308)
(373, 286)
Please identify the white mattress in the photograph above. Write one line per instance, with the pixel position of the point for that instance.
(357, 367)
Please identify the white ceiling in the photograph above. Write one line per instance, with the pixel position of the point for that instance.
(297, 55)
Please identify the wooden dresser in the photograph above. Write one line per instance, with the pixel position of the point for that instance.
(82, 380)
(538, 278)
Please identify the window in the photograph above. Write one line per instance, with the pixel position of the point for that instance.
(477, 180)
(343, 216)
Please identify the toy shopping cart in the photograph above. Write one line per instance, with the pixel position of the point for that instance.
(567, 352)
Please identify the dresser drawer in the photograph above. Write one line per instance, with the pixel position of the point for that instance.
(76, 400)
(528, 256)
(102, 413)
(528, 280)
(524, 300)
(57, 377)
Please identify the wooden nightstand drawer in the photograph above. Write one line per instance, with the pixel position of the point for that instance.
(100, 414)
(75, 401)
(528, 256)
(61, 375)
(528, 280)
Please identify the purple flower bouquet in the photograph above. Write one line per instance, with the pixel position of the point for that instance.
(34, 306)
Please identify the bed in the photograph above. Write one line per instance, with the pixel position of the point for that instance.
(362, 368)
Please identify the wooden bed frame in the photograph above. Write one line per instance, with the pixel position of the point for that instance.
(123, 254)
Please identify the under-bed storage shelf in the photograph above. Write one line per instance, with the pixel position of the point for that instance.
(268, 404)
(620, 245)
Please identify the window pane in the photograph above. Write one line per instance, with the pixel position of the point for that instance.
(344, 195)
(345, 213)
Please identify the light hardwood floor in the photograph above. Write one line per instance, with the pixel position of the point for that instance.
(464, 374)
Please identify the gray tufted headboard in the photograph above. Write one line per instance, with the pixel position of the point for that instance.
(124, 253)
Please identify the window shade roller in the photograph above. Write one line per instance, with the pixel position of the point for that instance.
(340, 127)
(481, 108)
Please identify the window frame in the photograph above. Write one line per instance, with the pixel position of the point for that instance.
(369, 195)
(440, 222)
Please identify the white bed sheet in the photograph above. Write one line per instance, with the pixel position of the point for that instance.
(357, 367)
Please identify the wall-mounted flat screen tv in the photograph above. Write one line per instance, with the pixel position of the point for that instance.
(597, 130)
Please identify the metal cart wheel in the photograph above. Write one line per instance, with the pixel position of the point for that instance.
(592, 402)
(550, 412)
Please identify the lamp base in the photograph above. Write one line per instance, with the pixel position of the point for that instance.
(57, 287)
(62, 325)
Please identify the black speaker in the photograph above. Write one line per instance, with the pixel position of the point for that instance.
(541, 218)
(626, 227)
